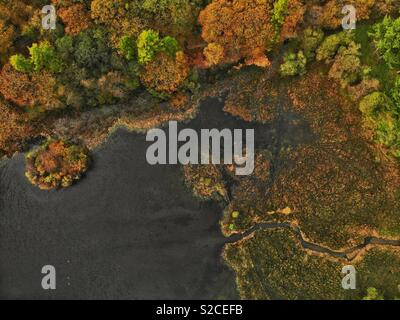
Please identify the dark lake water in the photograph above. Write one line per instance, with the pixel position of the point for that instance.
(128, 230)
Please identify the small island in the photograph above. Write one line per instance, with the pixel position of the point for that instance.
(56, 164)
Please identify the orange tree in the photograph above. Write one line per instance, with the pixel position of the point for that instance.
(76, 18)
(241, 28)
(165, 74)
(14, 129)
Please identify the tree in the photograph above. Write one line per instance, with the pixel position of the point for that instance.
(386, 36)
(76, 18)
(170, 45)
(174, 17)
(14, 129)
(120, 17)
(128, 47)
(36, 90)
(21, 64)
(42, 56)
(241, 27)
(214, 53)
(91, 50)
(165, 74)
(149, 44)
(13, 16)
(332, 11)
(292, 18)
(310, 41)
(279, 12)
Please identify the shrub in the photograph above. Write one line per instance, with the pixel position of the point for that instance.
(310, 40)
(347, 66)
(381, 116)
(205, 181)
(56, 164)
(294, 64)
(373, 294)
(331, 44)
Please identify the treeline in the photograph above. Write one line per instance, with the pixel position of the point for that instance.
(107, 51)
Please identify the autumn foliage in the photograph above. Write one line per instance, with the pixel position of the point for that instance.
(13, 14)
(165, 74)
(14, 129)
(76, 18)
(292, 20)
(28, 90)
(56, 164)
(242, 28)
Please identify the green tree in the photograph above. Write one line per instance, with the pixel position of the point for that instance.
(170, 45)
(148, 44)
(92, 50)
(373, 294)
(386, 36)
(279, 12)
(65, 47)
(128, 47)
(21, 64)
(42, 56)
